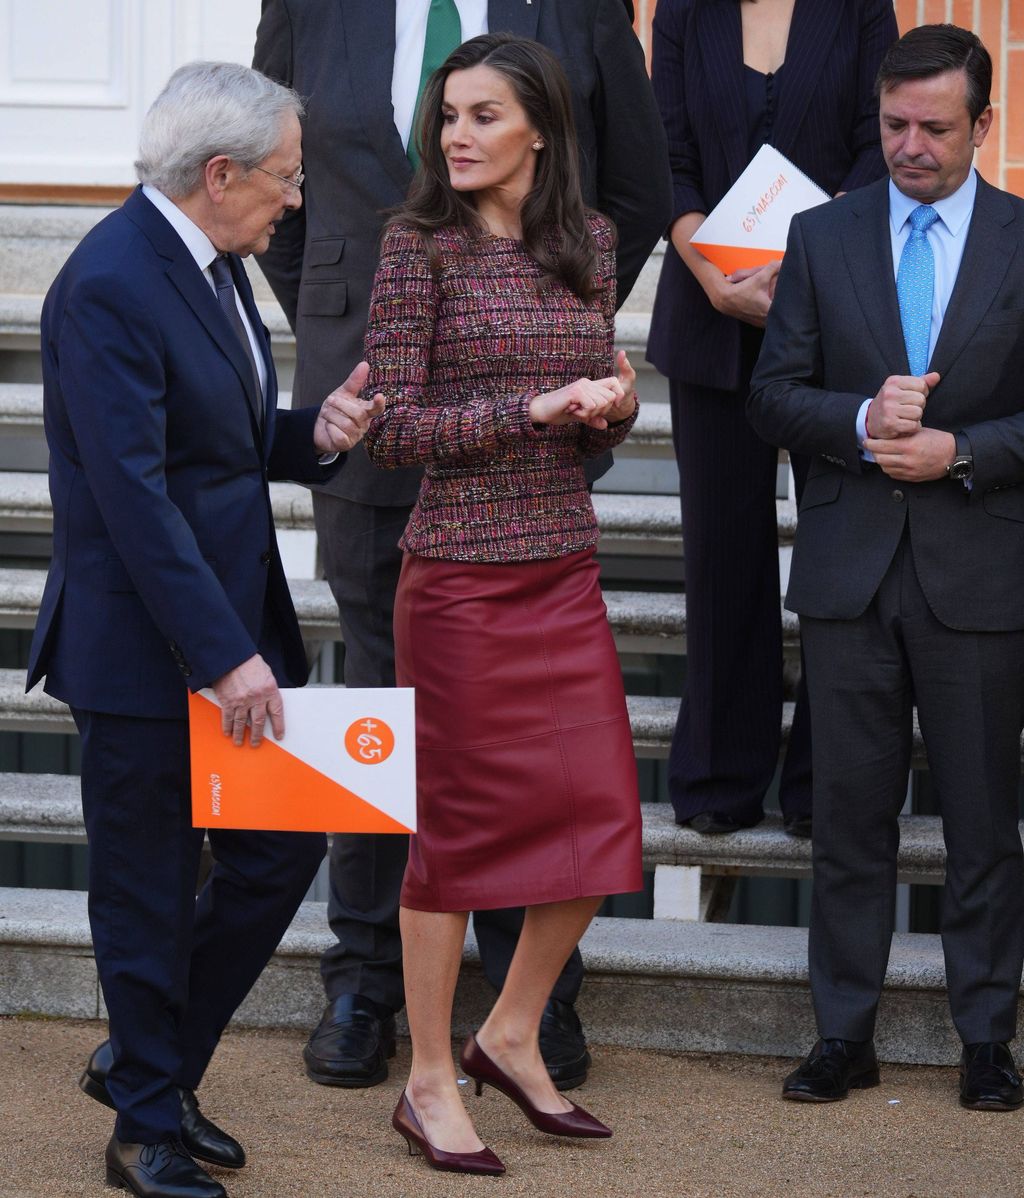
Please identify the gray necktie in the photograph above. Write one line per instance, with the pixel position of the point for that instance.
(221, 271)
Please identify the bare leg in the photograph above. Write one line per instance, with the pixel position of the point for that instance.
(509, 1035)
(432, 953)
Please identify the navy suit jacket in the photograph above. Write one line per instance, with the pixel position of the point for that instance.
(339, 55)
(165, 571)
(827, 124)
(834, 335)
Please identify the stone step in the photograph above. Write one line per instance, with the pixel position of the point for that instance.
(37, 239)
(642, 621)
(652, 717)
(46, 808)
(634, 525)
(663, 984)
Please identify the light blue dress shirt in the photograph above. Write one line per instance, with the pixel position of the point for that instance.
(947, 238)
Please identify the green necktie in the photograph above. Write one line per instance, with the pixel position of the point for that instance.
(444, 33)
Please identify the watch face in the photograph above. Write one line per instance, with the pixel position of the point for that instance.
(962, 468)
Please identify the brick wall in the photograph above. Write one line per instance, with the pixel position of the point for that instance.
(1000, 25)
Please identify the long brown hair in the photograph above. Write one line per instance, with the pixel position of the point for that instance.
(556, 231)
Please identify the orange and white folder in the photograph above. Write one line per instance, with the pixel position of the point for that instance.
(750, 225)
(346, 763)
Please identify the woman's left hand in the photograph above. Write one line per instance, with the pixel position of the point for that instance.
(623, 408)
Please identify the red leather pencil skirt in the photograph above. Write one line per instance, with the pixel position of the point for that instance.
(526, 778)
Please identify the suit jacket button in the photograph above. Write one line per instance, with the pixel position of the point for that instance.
(187, 671)
(265, 557)
(897, 496)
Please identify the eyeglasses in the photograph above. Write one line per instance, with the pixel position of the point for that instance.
(294, 181)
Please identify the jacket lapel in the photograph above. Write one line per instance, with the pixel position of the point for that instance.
(369, 27)
(814, 28)
(196, 291)
(867, 250)
(988, 251)
(720, 38)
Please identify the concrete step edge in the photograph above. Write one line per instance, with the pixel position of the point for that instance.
(642, 621)
(47, 808)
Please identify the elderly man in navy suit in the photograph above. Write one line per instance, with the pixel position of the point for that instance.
(893, 356)
(160, 407)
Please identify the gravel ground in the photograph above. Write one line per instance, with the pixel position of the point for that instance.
(685, 1126)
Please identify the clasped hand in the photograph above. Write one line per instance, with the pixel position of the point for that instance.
(901, 446)
(344, 417)
(593, 402)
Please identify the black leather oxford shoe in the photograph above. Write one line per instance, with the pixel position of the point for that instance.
(714, 823)
(832, 1069)
(989, 1080)
(158, 1171)
(563, 1045)
(351, 1044)
(201, 1138)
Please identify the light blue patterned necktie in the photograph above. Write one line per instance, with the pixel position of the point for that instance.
(915, 288)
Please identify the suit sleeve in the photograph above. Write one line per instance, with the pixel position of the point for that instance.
(293, 455)
(788, 404)
(878, 30)
(282, 262)
(668, 78)
(399, 334)
(633, 185)
(113, 381)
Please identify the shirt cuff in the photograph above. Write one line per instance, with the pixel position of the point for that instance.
(862, 429)
(327, 459)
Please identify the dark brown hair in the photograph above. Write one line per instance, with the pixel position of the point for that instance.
(933, 49)
(556, 230)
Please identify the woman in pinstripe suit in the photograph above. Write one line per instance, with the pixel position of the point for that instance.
(731, 75)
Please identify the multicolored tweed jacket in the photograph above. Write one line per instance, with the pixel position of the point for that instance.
(458, 355)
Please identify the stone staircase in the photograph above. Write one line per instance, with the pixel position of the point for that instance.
(682, 980)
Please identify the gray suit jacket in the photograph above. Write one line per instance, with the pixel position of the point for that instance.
(833, 336)
(339, 54)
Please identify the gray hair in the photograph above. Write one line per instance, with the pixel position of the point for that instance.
(206, 109)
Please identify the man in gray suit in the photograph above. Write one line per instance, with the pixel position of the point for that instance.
(894, 354)
(357, 64)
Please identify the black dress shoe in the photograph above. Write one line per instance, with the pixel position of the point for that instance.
(799, 826)
(563, 1046)
(989, 1080)
(351, 1044)
(201, 1138)
(714, 823)
(158, 1171)
(832, 1069)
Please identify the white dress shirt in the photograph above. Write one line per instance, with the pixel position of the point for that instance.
(203, 250)
(947, 237)
(410, 38)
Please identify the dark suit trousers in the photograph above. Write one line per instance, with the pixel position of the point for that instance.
(362, 561)
(173, 966)
(864, 677)
(726, 743)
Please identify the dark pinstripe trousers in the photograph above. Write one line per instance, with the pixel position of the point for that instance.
(727, 737)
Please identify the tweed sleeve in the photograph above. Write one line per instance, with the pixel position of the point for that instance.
(594, 441)
(415, 428)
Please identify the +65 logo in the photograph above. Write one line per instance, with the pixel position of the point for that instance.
(369, 741)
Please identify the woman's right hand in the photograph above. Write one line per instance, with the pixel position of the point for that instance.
(585, 401)
(747, 294)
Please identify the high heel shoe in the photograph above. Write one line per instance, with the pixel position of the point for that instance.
(577, 1122)
(404, 1121)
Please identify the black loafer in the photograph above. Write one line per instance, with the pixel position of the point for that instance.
(158, 1171)
(200, 1137)
(989, 1080)
(714, 823)
(563, 1045)
(832, 1069)
(351, 1044)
